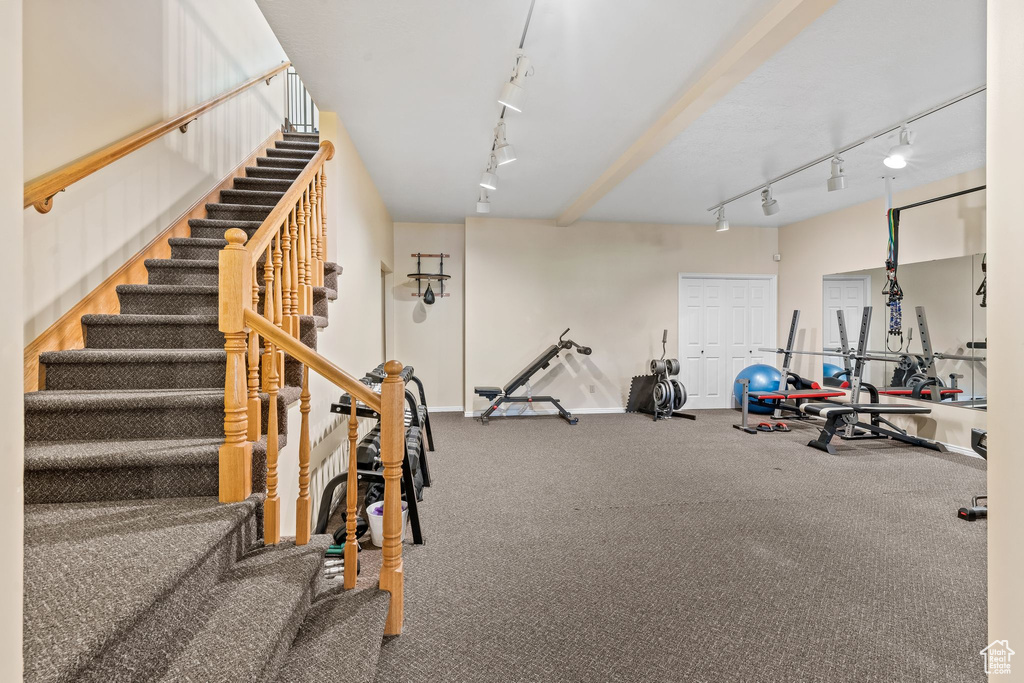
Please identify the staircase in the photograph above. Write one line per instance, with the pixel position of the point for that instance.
(133, 569)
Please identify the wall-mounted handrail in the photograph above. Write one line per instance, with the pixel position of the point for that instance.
(39, 192)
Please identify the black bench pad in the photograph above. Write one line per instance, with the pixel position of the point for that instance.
(830, 409)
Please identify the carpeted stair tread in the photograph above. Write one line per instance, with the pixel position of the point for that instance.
(134, 331)
(132, 356)
(196, 248)
(296, 135)
(71, 455)
(277, 173)
(297, 144)
(180, 271)
(94, 572)
(244, 212)
(279, 153)
(279, 162)
(342, 632)
(251, 197)
(272, 184)
(256, 610)
(223, 224)
(77, 399)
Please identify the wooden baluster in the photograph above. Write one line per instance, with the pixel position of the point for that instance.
(323, 213)
(279, 299)
(235, 454)
(351, 493)
(307, 249)
(303, 504)
(314, 233)
(272, 505)
(300, 251)
(268, 312)
(318, 229)
(286, 276)
(293, 281)
(392, 448)
(255, 419)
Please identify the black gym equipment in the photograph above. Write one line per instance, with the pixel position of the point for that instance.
(415, 468)
(979, 442)
(499, 395)
(659, 394)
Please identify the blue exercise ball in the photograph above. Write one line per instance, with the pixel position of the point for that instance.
(830, 370)
(762, 378)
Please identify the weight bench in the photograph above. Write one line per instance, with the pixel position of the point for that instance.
(499, 395)
(920, 392)
(842, 415)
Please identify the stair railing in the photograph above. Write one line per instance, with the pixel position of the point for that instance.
(266, 284)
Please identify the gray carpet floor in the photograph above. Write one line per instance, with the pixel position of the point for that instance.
(626, 550)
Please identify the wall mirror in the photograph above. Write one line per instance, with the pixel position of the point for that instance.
(940, 354)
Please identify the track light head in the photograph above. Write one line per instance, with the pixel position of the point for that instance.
(768, 205)
(488, 179)
(503, 151)
(483, 203)
(838, 180)
(513, 95)
(721, 225)
(898, 154)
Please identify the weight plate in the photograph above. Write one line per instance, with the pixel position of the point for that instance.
(680, 395)
(673, 366)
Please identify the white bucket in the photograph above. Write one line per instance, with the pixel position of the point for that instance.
(376, 515)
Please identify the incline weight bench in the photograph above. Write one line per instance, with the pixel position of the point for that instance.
(499, 395)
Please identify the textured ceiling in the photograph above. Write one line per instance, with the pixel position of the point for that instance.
(416, 85)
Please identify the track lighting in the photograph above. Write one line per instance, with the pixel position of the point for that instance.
(768, 205)
(721, 225)
(513, 95)
(483, 204)
(898, 154)
(503, 151)
(488, 179)
(838, 180)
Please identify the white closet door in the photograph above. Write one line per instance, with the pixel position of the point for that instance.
(715, 351)
(691, 339)
(722, 322)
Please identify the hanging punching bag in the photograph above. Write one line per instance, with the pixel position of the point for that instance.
(428, 296)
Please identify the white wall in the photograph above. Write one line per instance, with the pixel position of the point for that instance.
(12, 416)
(98, 71)
(615, 284)
(856, 239)
(430, 337)
(1006, 327)
(360, 239)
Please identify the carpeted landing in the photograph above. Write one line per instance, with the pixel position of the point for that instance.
(626, 550)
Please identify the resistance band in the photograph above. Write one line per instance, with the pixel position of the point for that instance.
(893, 292)
(983, 289)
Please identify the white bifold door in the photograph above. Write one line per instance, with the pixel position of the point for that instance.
(722, 323)
(846, 294)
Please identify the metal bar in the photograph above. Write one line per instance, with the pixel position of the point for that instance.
(852, 145)
(939, 199)
(787, 358)
(844, 341)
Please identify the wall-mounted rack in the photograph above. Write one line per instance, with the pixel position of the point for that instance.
(440, 276)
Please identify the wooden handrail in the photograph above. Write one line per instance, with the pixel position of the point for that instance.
(39, 192)
(257, 244)
(307, 356)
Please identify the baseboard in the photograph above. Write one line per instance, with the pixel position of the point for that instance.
(960, 450)
(445, 409)
(552, 411)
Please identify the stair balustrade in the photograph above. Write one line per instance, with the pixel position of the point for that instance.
(260, 322)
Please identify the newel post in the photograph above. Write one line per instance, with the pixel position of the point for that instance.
(235, 455)
(392, 448)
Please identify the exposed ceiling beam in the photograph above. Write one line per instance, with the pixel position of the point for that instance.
(774, 30)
